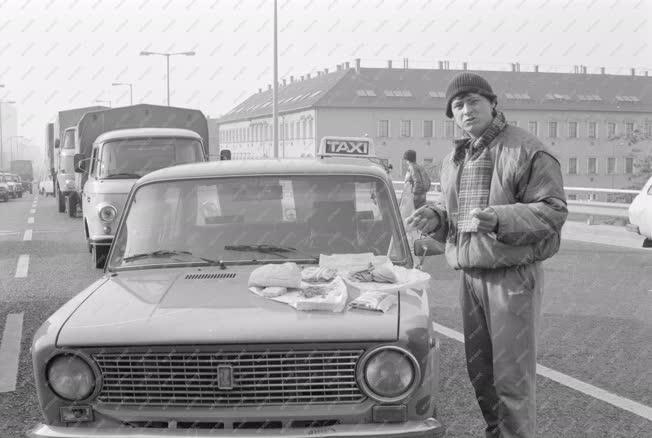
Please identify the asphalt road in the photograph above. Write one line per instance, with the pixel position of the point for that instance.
(596, 326)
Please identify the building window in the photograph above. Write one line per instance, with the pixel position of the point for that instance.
(552, 129)
(298, 131)
(572, 166)
(427, 128)
(304, 122)
(593, 130)
(450, 128)
(291, 136)
(611, 129)
(648, 129)
(572, 129)
(406, 128)
(593, 166)
(513, 123)
(383, 128)
(309, 128)
(611, 165)
(533, 128)
(629, 165)
(629, 128)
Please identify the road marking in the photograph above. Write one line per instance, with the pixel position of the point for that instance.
(10, 352)
(585, 388)
(28, 235)
(30, 220)
(32, 211)
(23, 266)
(8, 233)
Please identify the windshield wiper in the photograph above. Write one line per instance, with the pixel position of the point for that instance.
(270, 249)
(122, 175)
(169, 253)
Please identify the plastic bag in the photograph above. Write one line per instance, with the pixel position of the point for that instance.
(374, 301)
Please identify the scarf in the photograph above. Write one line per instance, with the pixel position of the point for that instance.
(477, 169)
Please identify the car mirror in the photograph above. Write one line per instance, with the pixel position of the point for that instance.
(80, 163)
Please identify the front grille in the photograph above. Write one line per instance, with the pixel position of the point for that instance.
(210, 276)
(257, 378)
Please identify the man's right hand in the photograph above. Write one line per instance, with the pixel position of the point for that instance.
(424, 219)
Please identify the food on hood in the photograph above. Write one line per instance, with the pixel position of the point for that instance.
(273, 291)
(374, 301)
(364, 275)
(319, 274)
(275, 275)
(383, 273)
(315, 290)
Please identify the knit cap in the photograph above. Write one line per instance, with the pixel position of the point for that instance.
(466, 82)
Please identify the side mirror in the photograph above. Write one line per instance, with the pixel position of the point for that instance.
(80, 163)
(57, 143)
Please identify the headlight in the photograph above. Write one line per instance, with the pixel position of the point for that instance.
(389, 374)
(71, 377)
(107, 213)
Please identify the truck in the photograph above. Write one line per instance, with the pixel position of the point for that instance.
(61, 152)
(23, 168)
(118, 146)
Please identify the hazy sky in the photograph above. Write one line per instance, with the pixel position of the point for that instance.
(61, 54)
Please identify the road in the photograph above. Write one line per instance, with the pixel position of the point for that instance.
(596, 327)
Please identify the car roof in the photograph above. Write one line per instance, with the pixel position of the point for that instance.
(293, 166)
(146, 133)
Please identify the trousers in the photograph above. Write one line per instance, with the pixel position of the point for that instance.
(501, 310)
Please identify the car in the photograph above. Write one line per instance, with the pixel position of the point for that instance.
(640, 214)
(11, 185)
(46, 187)
(4, 188)
(170, 341)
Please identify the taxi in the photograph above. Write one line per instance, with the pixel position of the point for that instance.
(640, 214)
(170, 342)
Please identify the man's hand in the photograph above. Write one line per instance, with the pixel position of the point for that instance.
(423, 219)
(487, 220)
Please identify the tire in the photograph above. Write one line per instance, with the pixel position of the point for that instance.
(61, 202)
(72, 205)
(99, 254)
(647, 243)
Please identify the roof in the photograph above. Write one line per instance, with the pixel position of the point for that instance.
(147, 133)
(425, 89)
(307, 166)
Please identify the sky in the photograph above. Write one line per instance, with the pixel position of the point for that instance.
(62, 54)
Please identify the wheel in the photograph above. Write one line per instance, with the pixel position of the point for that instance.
(61, 202)
(647, 243)
(72, 205)
(99, 255)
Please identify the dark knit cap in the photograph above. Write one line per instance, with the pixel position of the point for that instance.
(410, 155)
(467, 83)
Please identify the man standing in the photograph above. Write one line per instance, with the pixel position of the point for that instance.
(416, 179)
(502, 213)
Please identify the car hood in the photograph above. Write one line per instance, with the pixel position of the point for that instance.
(164, 307)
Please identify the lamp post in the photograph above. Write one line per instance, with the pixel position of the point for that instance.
(131, 90)
(1, 145)
(103, 101)
(167, 59)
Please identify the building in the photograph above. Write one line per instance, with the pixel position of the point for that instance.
(8, 131)
(598, 125)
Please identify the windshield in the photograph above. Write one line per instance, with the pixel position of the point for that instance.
(69, 139)
(135, 157)
(254, 219)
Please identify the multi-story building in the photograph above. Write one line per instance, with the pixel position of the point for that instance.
(598, 125)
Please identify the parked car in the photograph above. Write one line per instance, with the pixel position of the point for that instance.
(171, 339)
(4, 188)
(640, 214)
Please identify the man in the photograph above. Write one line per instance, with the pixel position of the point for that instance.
(502, 213)
(416, 179)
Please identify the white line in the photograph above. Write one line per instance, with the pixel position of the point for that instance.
(30, 220)
(28, 235)
(620, 402)
(10, 352)
(23, 266)
(32, 211)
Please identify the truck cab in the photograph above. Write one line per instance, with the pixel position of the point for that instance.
(117, 160)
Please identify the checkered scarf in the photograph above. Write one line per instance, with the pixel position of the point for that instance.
(477, 168)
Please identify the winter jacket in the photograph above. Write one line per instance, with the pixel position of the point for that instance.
(419, 178)
(526, 193)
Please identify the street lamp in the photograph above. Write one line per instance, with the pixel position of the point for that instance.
(167, 58)
(103, 101)
(1, 145)
(131, 91)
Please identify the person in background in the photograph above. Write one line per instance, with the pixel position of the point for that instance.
(502, 213)
(417, 179)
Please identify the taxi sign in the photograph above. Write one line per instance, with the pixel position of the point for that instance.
(347, 147)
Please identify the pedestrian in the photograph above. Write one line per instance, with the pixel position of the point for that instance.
(501, 216)
(417, 180)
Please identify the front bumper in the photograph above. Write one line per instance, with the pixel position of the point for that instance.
(428, 428)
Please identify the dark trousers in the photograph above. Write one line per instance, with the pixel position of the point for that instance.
(419, 200)
(500, 309)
